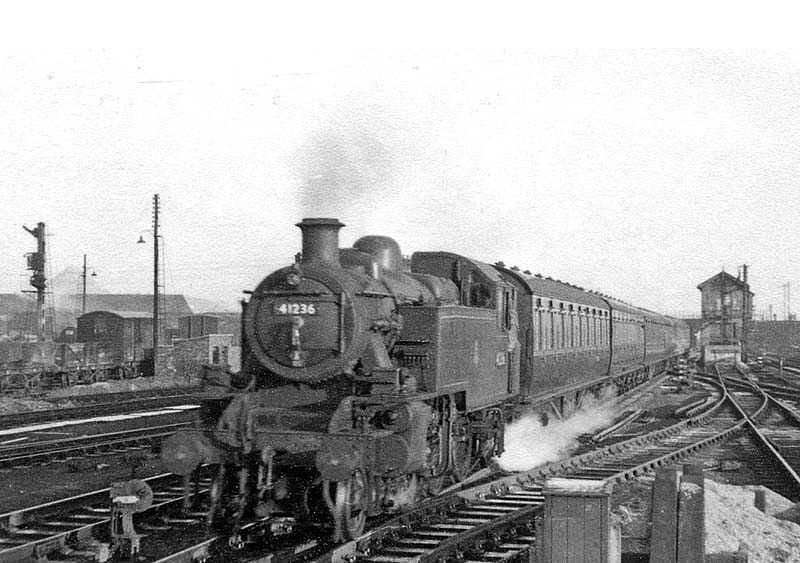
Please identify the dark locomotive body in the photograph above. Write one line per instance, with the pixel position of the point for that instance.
(369, 385)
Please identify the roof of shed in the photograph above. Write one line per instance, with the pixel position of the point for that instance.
(724, 277)
(173, 304)
(124, 314)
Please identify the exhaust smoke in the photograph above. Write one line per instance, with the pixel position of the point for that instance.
(529, 444)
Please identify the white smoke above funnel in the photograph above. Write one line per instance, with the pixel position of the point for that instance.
(347, 168)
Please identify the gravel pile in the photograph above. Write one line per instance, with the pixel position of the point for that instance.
(733, 522)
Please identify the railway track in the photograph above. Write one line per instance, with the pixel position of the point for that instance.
(67, 528)
(485, 523)
(515, 511)
(470, 532)
(779, 387)
(774, 426)
(19, 456)
(104, 404)
(499, 521)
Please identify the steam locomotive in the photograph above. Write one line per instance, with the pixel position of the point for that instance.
(369, 382)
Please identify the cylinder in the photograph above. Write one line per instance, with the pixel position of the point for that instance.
(320, 240)
(182, 452)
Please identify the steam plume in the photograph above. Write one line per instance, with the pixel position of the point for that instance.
(529, 444)
(346, 169)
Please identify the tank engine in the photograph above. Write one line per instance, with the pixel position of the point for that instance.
(370, 385)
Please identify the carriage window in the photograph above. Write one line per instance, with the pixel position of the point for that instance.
(466, 288)
(572, 331)
(505, 312)
(539, 330)
(584, 334)
(481, 294)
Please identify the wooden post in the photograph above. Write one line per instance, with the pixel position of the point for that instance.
(577, 526)
(664, 530)
(691, 515)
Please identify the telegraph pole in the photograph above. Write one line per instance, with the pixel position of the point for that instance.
(724, 313)
(83, 292)
(787, 300)
(155, 280)
(156, 312)
(36, 263)
(747, 306)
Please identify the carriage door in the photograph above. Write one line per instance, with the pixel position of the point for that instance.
(645, 343)
(511, 327)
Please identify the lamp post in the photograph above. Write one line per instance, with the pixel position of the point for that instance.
(155, 278)
(83, 292)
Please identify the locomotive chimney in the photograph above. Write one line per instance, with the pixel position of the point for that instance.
(320, 240)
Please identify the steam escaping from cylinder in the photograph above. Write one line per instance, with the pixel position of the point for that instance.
(529, 444)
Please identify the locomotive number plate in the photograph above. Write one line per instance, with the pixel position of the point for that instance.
(294, 309)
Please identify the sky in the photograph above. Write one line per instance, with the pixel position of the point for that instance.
(638, 172)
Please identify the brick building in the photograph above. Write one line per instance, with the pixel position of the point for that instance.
(191, 354)
(726, 316)
(207, 339)
(191, 326)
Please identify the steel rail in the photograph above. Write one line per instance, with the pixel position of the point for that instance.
(477, 524)
(31, 533)
(498, 520)
(44, 452)
(118, 406)
(765, 442)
